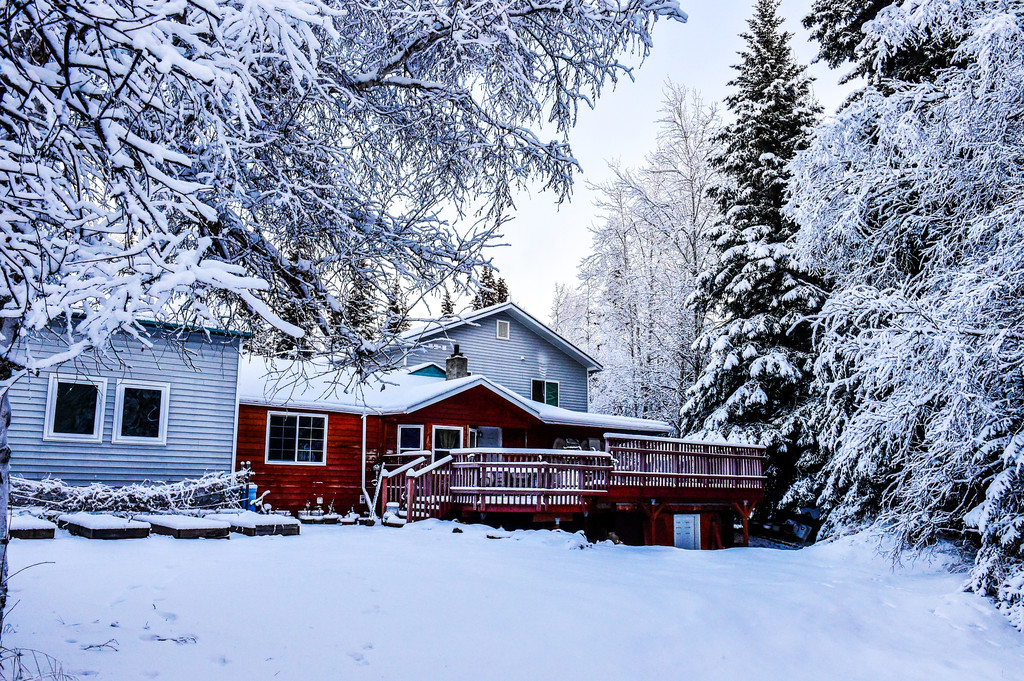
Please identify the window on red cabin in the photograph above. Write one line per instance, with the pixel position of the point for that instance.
(410, 439)
(296, 438)
(446, 438)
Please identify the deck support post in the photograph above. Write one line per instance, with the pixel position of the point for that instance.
(652, 512)
(745, 508)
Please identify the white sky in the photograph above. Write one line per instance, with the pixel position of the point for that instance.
(545, 241)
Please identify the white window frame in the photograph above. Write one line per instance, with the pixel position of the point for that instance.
(545, 382)
(474, 434)
(508, 329)
(402, 426)
(165, 399)
(266, 445)
(433, 438)
(98, 418)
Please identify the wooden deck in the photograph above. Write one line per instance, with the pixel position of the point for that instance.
(656, 472)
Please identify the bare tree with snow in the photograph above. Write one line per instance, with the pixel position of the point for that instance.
(633, 308)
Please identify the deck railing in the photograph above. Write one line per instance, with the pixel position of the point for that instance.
(428, 490)
(493, 479)
(392, 485)
(649, 462)
(484, 478)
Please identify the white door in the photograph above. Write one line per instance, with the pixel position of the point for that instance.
(686, 527)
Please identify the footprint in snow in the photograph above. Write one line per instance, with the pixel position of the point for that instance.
(358, 657)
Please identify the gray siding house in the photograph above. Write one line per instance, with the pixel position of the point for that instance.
(512, 348)
(131, 413)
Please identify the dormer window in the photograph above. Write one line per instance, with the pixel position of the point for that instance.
(503, 329)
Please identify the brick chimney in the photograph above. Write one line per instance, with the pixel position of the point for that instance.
(456, 366)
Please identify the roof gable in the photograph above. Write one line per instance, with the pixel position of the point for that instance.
(432, 369)
(443, 326)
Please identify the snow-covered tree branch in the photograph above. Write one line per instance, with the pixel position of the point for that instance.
(250, 163)
(910, 200)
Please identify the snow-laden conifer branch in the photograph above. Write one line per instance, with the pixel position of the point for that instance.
(910, 199)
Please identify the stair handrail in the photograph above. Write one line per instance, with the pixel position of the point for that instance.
(429, 469)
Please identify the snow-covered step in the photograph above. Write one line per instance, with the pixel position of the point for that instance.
(101, 526)
(186, 526)
(31, 527)
(254, 524)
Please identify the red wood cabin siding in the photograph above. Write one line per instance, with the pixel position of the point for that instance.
(477, 406)
(292, 485)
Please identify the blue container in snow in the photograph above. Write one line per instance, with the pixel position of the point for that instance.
(250, 500)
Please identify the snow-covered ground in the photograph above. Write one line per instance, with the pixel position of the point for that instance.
(425, 603)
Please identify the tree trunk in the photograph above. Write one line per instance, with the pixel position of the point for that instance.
(8, 336)
(5, 495)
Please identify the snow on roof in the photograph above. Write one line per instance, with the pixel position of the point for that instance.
(314, 385)
(425, 331)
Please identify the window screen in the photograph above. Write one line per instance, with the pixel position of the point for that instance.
(410, 438)
(141, 409)
(74, 408)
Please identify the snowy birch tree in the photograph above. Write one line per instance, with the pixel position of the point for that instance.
(756, 385)
(225, 162)
(910, 200)
(632, 309)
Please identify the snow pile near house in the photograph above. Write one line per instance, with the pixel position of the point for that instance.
(429, 603)
(551, 538)
(212, 490)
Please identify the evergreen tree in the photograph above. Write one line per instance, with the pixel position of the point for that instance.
(360, 311)
(488, 293)
(911, 201)
(397, 312)
(838, 27)
(447, 306)
(500, 291)
(756, 384)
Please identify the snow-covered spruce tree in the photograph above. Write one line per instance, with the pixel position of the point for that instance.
(491, 290)
(756, 385)
(911, 200)
(632, 309)
(216, 162)
(839, 28)
(397, 319)
(447, 305)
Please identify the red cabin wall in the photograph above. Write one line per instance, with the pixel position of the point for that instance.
(292, 485)
(477, 406)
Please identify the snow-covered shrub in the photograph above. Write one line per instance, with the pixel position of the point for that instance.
(212, 490)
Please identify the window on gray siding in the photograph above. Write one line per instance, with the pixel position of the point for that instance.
(504, 329)
(74, 410)
(140, 415)
(296, 438)
(546, 392)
